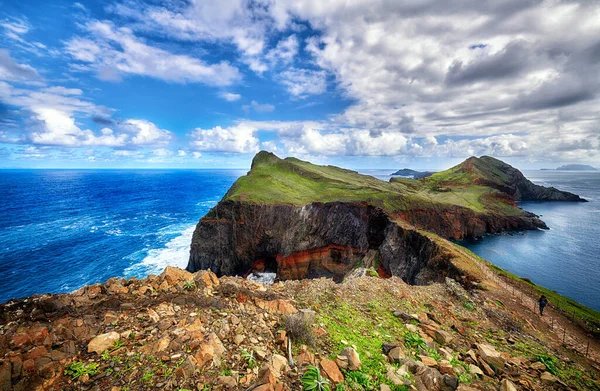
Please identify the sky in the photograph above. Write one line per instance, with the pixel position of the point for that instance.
(360, 84)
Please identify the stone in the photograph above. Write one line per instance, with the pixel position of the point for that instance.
(412, 328)
(102, 342)
(446, 368)
(227, 381)
(342, 362)
(206, 279)
(353, 358)
(21, 339)
(428, 361)
(393, 377)
(5, 376)
(405, 317)
(331, 370)
(279, 364)
(428, 379)
(486, 368)
(238, 339)
(548, 378)
(396, 355)
(162, 344)
(474, 369)
(210, 350)
(384, 387)
(188, 368)
(175, 276)
(491, 356)
(443, 337)
(449, 383)
(153, 315)
(507, 385)
(278, 306)
(538, 366)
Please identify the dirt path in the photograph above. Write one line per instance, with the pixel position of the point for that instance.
(563, 332)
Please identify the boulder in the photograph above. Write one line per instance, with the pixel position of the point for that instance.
(538, 366)
(206, 279)
(443, 337)
(396, 355)
(405, 317)
(102, 342)
(210, 350)
(474, 369)
(507, 385)
(353, 358)
(491, 356)
(428, 361)
(548, 378)
(175, 276)
(331, 370)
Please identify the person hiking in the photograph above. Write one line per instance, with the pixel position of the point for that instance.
(542, 302)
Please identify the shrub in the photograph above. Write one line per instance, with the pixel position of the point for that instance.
(313, 381)
(77, 369)
(298, 329)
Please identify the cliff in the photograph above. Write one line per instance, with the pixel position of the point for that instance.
(301, 220)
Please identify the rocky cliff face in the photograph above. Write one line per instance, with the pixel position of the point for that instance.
(316, 240)
(454, 222)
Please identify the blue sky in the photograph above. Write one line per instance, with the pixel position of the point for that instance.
(198, 84)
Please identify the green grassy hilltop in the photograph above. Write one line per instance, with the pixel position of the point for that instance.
(293, 181)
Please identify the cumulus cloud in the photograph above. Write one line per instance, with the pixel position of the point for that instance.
(113, 52)
(229, 96)
(240, 138)
(146, 133)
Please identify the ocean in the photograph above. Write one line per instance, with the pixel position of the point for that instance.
(62, 229)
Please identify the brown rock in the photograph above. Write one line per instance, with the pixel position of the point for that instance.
(395, 355)
(507, 385)
(278, 306)
(446, 368)
(428, 361)
(5, 376)
(110, 317)
(342, 362)
(353, 358)
(442, 337)
(548, 378)
(20, 339)
(332, 371)
(227, 381)
(210, 350)
(36, 353)
(175, 276)
(206, 279)
(491, 356)
(538, 366)
(102, 342)
(188, 368)
(486, 368)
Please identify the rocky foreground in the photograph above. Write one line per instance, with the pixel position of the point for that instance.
(184, 331)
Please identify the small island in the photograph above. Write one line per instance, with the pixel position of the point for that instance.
(408, 173)
(576, 167)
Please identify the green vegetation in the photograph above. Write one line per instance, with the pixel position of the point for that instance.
(189, 285)
(313, 381)
(293, 181)
(586, 317)
(549, 361)
(249, 358)
(77, 369)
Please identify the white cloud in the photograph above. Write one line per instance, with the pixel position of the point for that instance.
(197, 155)
(258, 107)
(229, 96)
(240, 138)
(146, 133)
(303, 82)
(162, 152)
(181, 153)
(10, 70)
(115, 51)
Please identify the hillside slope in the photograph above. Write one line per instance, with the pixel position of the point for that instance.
(302, 220)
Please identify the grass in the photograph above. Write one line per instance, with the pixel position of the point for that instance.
(293, 181)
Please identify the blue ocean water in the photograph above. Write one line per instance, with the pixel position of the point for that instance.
(566, 258)
(62, 229)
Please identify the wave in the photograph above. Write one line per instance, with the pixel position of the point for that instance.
(176, 252)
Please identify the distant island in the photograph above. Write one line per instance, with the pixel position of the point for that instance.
(576, 167)
(408, 173)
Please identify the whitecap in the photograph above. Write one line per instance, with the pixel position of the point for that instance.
(176, 252)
